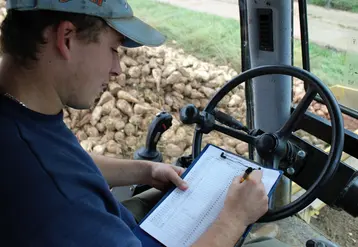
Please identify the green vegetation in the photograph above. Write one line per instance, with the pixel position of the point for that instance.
(217, 39)
(203, 35)
(348, 5)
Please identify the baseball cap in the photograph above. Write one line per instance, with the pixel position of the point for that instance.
(117, 14)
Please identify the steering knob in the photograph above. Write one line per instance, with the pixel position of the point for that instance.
(189, 114)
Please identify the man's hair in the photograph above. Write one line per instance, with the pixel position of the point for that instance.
(22, 31)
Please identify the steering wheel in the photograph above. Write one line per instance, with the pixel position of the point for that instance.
(272, 147)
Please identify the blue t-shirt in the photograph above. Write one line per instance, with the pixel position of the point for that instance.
(52, 193)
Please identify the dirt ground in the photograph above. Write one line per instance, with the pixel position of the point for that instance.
(339, 226)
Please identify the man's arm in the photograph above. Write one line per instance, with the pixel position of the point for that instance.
(245, 203)
(122, 172)
(223, 232)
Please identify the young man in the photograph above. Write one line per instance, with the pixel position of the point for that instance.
(60, 53)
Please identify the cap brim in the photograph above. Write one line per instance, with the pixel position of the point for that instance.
(137, 32)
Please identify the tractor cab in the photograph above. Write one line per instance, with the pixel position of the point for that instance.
(246, 76)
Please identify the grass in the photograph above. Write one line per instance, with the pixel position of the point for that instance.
(347, 5)
(217, 40)
(206, 36)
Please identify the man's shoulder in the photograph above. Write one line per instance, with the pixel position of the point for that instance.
(16, 156)
(10, 135)
(29, 154)
(22, 165)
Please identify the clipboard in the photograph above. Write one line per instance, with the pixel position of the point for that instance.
(148, 240)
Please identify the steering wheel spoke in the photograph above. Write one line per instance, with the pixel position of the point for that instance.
(297, 114)
(229, 121)
(236, 134)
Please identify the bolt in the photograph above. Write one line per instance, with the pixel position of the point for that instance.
(310, 243)
(291, 170)
(301, 154)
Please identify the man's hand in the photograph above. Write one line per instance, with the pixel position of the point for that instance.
(246, 202)
(119, 172)
(162, 176)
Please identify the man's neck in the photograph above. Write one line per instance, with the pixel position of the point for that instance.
(35, 90)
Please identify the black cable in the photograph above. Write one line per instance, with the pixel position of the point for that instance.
(302, 7)
(245, 65)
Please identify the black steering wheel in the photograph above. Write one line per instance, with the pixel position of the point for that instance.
(273, 146)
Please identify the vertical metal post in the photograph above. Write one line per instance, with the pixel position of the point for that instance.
(245, 65)
(270, 34)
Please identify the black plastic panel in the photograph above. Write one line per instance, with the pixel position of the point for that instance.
(265, 29)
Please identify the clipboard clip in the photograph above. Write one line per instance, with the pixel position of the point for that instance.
(233, 159)
(224, 156)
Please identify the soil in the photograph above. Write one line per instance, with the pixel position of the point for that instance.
(339, 226)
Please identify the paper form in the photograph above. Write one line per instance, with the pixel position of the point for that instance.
(185, 215)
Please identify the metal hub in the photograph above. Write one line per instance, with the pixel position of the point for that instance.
(267, 144)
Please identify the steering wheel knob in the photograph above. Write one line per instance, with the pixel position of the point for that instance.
(190, 114)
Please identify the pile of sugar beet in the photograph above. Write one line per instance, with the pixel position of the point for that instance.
(164, 79)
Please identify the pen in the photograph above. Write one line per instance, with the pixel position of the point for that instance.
(240, 242)
(246, 174)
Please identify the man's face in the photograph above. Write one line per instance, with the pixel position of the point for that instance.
(89, 68)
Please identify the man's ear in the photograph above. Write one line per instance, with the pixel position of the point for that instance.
(66, 33)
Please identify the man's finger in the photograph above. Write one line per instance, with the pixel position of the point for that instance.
(179, 170)
(177, 180)
(256, 175)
